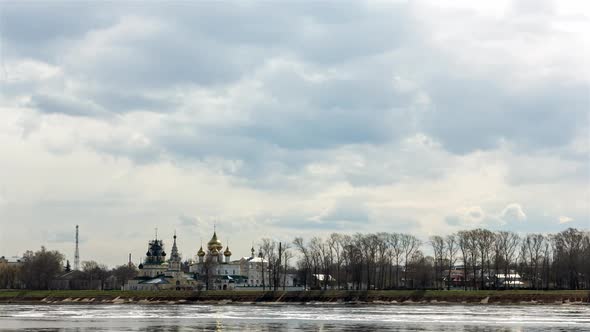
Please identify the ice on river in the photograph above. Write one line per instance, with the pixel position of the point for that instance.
(294, 317)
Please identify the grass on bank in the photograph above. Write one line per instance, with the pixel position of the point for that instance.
(23, 294)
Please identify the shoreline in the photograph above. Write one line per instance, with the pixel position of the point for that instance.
(377, 297)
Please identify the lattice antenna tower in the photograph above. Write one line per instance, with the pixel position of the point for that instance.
(77, 253)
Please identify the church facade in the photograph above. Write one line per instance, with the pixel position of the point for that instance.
(213, 269)
(157, 273)
(218, 271)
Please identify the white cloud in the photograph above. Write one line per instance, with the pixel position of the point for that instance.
(513, 212)
(278, 121)
(28, 70)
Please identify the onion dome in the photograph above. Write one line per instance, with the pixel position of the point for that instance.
(214, 251)
(140, 266)
(227, 252)
(214, 243)
(201, 252)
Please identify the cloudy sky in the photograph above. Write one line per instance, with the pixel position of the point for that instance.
(298, 118)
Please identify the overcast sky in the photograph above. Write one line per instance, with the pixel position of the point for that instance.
(280, 120)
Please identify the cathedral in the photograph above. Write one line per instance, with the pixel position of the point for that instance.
(212, 270)
(217, 270)
(157, 273)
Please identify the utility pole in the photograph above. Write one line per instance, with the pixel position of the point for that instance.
(278, 268)
(77, 253)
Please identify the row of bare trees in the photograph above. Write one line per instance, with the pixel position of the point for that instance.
(482, 259)
(358, 261)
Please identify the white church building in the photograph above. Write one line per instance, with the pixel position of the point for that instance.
(213, 269)
(218, 271)
(157, 273)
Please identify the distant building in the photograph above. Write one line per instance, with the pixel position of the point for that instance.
(457, 278)
(214, 270)
(74, 280)
(10, 272)
(155, 273)
(510, 280)
(323, 280)
(11, 261)
(217, 271)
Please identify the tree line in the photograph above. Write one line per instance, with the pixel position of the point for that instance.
(469, 259)
(43, 269)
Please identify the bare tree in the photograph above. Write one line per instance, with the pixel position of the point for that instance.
(123, 273)
(484, 242)
(325, 252)
(369, 243)
(473, 254)
(508, 244)
(358, 258)
(546, 262)
(569, 246)
(287, 255)
(208, 271)
(335, 244)
(396, 254)
(533, 248)
(269, 251)
(451, 250)
(438, 248)
(464, 245)
(306, 259)
(382, 262)
(95, 271)
(409, 244)
(318, 253)
(347, 257)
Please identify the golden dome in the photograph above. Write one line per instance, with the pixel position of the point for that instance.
(201, 252)
(214, 252)
(214, 243)
(227, 252)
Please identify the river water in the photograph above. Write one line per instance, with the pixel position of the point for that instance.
(294, 317)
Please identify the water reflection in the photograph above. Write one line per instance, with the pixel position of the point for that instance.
(320, 317)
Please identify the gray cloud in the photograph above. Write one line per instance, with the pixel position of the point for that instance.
(415, 110)
(67, 105)
(347, 210)
(488, 113)
(122, 102)
(186, 221)
(37, 30)
(184, 46)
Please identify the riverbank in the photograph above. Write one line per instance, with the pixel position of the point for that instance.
(349, 297)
